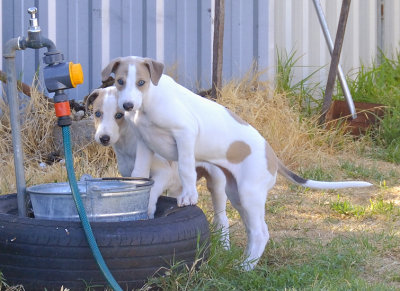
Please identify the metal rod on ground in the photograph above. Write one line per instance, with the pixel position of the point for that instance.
(329, 42)
(218, 44)
(344, 13)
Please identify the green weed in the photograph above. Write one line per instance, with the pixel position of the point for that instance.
(316, 173)
(347, 208)
(379, 206)
(275, 207)
(376, 206)
(302, 94)
(355, 171)
(381, 84)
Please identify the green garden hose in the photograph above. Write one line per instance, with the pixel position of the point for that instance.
(69, 162)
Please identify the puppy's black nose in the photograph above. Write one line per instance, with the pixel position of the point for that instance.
(128, 106)
(105, 139)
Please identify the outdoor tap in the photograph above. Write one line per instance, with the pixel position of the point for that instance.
(34, 37)
(58, 75)
(35, 40)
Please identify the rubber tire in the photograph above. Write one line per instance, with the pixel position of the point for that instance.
(48, 254)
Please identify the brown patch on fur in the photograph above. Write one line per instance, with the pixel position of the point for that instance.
(237, 152)
(155, 68)
(110, 68)
(121, 73)
(89, 99)
(97, 106)
(142, 73)
(272, 160)
(201, 172)
(236, 117)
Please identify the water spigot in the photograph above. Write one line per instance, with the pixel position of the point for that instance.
(34, 28)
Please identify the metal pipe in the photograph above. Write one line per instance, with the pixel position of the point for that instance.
(42, 42)
(49, 44)
(333, 69)
(329, 42)
(34, 41)
(11, 92)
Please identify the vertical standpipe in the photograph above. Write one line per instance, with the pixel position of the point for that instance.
(11, 92)
(34, 41)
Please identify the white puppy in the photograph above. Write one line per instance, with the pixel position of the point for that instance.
(182, 126)
(113, 128)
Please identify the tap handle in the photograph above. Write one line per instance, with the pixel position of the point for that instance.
(32, 11)
(33, 21)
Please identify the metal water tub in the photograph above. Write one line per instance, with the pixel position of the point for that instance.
(106, 199)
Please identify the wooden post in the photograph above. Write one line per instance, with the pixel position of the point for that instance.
(330, 85)
(218, 44)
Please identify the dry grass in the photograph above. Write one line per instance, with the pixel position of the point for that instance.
(37, 139)
(296, 140)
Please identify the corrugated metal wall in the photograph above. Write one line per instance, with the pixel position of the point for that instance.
(179, 33)
(297, 27)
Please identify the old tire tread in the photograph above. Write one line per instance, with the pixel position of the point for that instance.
(41, 253)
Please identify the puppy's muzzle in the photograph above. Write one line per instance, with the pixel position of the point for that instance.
(105, 139)
(128, 106)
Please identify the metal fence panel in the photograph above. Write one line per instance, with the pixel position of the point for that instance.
(179, 33)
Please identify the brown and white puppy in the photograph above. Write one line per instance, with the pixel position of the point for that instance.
(113, 128)
(181, 126)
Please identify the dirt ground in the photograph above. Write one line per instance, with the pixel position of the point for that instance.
(295, 212)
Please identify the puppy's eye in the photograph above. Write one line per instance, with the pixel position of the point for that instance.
(140, 83)
(120, 81)
(119, 115)
(97, 114)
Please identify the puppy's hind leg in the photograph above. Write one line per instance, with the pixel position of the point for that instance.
(216, 183)
(249, 199)
(252, 211)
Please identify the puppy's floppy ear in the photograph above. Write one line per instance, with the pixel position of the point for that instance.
(155, 69)
(110, 68)
(90, 98)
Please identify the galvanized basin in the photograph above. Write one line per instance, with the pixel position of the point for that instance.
(106, 199)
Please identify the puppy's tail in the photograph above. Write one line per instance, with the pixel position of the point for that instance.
(318, 184)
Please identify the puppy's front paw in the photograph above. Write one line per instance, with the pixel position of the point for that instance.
(150, 211)
(186, 199)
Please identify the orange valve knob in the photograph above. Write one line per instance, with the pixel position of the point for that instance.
(75, 73)
(62, 109)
